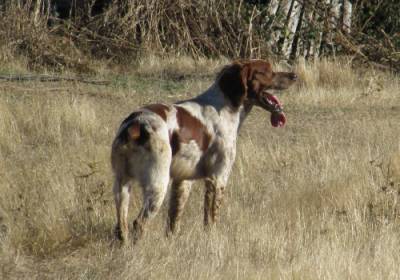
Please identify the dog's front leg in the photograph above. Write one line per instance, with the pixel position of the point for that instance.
(212, 201)
(216, 183)
(179, 194)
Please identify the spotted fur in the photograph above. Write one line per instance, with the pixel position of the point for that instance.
(186, 141)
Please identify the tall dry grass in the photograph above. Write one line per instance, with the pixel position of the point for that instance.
(317, 199)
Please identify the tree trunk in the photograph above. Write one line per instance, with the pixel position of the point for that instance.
(273, 7)
(333, 24)
(293, 18)
(347, 11)
(297, 35)
(311, 31)
(282, 12)
(325, 11)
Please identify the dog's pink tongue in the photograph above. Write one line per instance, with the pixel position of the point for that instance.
(277, 119)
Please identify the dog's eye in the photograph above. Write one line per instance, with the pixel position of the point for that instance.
(261, 73)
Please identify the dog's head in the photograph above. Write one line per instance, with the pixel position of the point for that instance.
(246, 82)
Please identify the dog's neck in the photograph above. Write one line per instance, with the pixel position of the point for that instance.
(245, 110)
(216, 98)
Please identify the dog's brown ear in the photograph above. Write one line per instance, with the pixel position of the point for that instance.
(233, 83)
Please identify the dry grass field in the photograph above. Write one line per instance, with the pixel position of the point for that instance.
(317, 199)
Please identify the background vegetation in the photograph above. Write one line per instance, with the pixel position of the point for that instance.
(318, 199)
(67, 33)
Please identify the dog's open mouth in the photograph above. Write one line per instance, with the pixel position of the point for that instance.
(272, 104)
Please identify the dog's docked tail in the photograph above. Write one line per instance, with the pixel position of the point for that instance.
(132, 130)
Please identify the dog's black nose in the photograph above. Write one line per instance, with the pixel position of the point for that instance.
(293, 76)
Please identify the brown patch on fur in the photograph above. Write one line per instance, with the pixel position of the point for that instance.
(134, 131)
(190, 128)
(160, 109)
(262, 77)
(233, 83)
(247, 79)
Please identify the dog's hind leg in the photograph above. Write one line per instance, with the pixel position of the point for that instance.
(154, 182)
(153, 196)
(121, 197)
(179, 194)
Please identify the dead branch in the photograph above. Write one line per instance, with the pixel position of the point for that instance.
(48, 78)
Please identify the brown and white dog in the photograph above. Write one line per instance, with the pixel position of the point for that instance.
(189, 140)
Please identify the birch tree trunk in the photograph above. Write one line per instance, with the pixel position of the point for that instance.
(335, 12)
(297, 40)
(325, 7)
(293, 18)
(36, 12)
(347, 11)
(273, 7)
(272, 11)
(310, 17)
(40, 8)
(307, 28)
(334, 15)
(282, 12)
